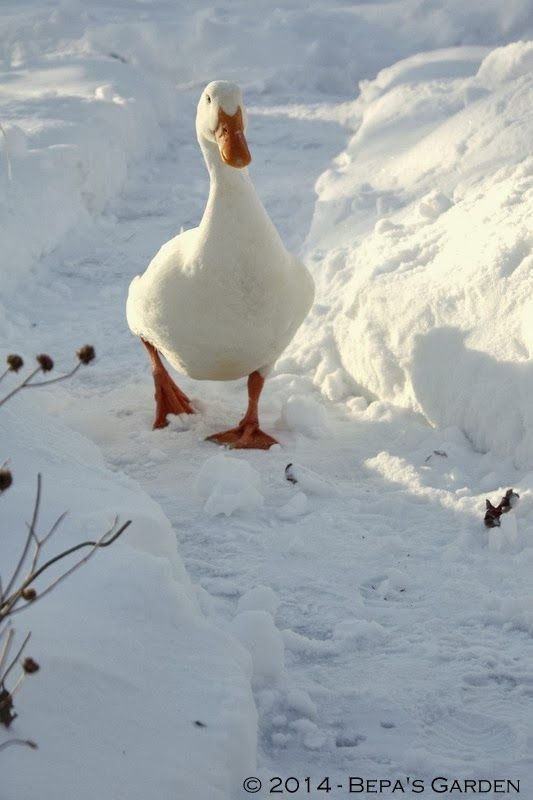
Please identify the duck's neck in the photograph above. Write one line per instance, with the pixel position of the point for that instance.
(232, 196)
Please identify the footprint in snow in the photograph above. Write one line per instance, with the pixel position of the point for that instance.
(503, 680)
(345, 740)
(466, 736)
(390, 587)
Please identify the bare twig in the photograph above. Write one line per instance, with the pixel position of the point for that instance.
(27, 742)
(85, 355)
(13, 593)
(29, 537)
(6, 151)
(7, 607)
(20, 588)
(42, 542)
(95, 546)
(15, 659)
(56, 380)
(4, 654)
(101, 542)
(20, 386)
(17, 685)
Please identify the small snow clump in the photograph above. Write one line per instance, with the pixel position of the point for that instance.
(228, 485)
(304, 415)
(257, 632)
(260, 598)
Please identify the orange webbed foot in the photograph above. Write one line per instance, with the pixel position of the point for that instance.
(244, 437)
(169, 399)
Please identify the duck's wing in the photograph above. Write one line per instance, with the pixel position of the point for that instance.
(148, 290)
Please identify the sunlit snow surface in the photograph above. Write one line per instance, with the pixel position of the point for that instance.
(387, 632)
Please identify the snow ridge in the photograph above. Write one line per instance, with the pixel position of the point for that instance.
(444, 218)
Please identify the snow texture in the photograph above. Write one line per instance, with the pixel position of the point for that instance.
(229, 485)
(456, 119)
(364, 607)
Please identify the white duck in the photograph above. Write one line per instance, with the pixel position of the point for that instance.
(223, 300)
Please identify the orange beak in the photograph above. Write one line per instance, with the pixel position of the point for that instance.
(231, 141)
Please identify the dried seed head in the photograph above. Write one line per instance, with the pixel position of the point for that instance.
(86, 354)
(6, 479)
(509, 499)
(45, 362)
(29, 594)
(14, 362)
(30, 666)
(7, 715)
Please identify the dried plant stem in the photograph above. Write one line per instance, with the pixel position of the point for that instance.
(8, 602)
(19, 592)
(59, 378)
(4, 654)
(7, 154)
(15, 659)
(17, 685)
(16, 587)
(94, 545)
(19, 589)
(42, 542)
(22, 385)
(9, 597)
(29, 537)
(26, 742)
(28, 384)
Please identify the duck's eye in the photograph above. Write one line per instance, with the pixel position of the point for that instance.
(208, 98)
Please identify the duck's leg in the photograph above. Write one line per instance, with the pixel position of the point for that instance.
(168, 398)
(247, 434)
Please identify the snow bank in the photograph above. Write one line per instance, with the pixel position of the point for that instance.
(422, 245)
(66, 152)
(90, 86)
(129, 666)
(128, 663)
(282, 50)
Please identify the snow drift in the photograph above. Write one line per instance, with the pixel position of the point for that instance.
(422, 244)
(129, 665)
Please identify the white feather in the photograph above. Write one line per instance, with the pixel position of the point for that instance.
(226, 298)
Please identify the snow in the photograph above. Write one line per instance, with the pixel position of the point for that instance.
(257, 632)
(294, 507)
(260, 598)
(228, 485)
(117, 642)
(304, 415)
(456, 119)
(364, 607)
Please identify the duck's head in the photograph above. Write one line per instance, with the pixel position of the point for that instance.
(221, 120)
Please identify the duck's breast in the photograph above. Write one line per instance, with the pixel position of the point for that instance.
(218, 310)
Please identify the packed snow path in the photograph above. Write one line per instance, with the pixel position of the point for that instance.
(401, 642)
